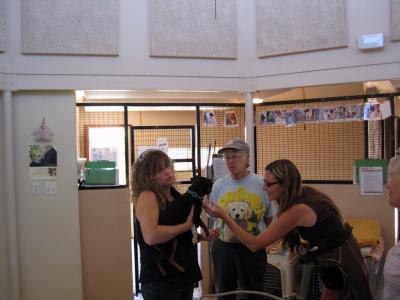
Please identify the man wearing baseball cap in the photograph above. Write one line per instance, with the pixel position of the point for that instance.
(240, 193)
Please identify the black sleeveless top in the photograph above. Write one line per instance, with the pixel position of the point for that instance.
(328, 231)
(185, 255)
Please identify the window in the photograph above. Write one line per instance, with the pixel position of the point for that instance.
(108, 143)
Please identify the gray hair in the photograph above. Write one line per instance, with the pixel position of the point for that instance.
(394, 163)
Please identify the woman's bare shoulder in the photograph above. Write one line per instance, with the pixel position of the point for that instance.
(303, 213)
(146, 202)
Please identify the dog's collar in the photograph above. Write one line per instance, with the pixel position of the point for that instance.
(195, 195)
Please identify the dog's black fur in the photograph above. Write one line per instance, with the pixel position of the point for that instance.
(179, 210)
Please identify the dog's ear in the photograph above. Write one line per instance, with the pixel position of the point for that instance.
(194, 178)
(248, 213)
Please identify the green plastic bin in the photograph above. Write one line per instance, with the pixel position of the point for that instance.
(100, 172)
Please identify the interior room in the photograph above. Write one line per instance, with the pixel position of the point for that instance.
(100, 82)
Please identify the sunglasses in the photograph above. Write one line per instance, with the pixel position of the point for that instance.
(268, 184)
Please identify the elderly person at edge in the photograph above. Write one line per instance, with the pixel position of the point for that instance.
(306, 212)
(241, 194)
(391, 271)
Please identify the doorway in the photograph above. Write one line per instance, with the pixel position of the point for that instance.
(179, 143)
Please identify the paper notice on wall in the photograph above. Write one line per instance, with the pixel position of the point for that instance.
(386, 109)
(371, 180)
(219, 167)
(162, 144)
(103, 153)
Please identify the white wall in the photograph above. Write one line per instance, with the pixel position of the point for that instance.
(4, 292)
(47, 225)
(135, 69)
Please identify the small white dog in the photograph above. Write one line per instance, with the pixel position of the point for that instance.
(241, 213)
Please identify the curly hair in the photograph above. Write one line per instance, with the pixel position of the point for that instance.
(148, 164)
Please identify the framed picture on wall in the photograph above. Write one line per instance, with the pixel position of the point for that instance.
(230, 119)
(209, 118)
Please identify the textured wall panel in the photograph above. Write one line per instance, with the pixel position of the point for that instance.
(290, 26)
(395, 20)
(88, 27)
(2, 25)
(193, 28)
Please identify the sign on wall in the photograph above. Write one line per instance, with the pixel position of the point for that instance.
(192, 28)
(291, 26)
(88, 27)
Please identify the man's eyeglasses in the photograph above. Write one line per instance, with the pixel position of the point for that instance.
(268, 184)
(232, 157)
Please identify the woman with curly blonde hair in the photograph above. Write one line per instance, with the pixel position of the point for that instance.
(152, 192)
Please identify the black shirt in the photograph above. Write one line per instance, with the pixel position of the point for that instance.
(185, 255)
(328, 231)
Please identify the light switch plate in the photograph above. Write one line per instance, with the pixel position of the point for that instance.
(36, 188)
(50, 188)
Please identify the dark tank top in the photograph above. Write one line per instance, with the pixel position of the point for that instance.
(185, 255)
(328, 232)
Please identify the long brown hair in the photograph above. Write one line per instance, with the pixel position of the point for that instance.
(148, 164)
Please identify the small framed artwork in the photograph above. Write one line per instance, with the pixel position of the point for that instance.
(263, 118)
(230, 119)
(209, 118)
(280, 117)
(43, 161)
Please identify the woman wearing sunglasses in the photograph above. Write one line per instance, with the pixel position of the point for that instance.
(308, 219)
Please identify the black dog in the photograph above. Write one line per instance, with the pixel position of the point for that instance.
(179, 210)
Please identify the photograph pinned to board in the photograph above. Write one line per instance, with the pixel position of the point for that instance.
(271, 117)
(267, 117)
(162, 144)
(299, 115)
(280, 117)
(329, 114)
(230, 119)
(372, 110)
(43, 161)
(386, 109)
(209, 118)
(289, 117)
(263, 118)
(314, 114)
(354, 112)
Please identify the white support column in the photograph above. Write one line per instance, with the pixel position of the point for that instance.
(249, 116)
(9, 188)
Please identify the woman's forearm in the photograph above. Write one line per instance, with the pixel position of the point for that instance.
(164, 233)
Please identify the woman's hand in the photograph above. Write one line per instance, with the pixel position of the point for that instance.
(212, 234)
(189, 220)
(214, 210)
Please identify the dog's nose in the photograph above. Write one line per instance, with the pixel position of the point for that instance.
(237, 216)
